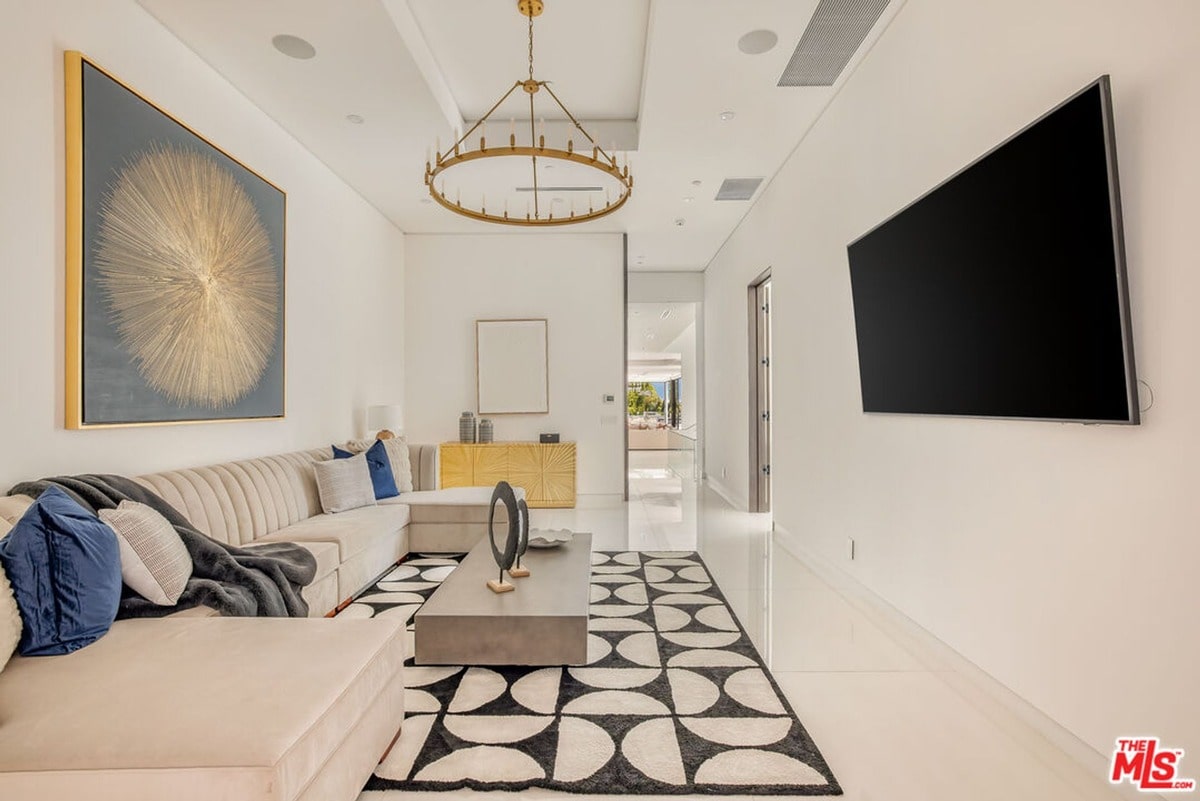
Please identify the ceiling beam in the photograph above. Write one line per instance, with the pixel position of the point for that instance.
(418, 48)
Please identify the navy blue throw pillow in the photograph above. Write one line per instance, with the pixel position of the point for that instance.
(65, 568)
(381, 469)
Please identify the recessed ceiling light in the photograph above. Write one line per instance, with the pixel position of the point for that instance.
(636, 312)
(697, 182)
(355, 119)
(293, 46)
(680, 221)
(689, 199)
(426, 200)
(758, 42)
(726, 116)
(665, 313)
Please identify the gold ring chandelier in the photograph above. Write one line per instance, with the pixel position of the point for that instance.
(535, 212)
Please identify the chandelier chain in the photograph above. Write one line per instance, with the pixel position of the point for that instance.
(531, 47)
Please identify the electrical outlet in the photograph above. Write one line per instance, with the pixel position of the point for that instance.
(724, 473)
(850, 548)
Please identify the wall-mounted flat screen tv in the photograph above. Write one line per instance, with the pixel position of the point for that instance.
(1002, 292)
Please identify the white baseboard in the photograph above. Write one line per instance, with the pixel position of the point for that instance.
(731, 497)
(1003, 707)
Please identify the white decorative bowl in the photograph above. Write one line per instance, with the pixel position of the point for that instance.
(549, 538)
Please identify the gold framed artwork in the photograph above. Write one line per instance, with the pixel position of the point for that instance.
(512, 366)
(175, 308)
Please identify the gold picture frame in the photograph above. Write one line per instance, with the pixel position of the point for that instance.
(175, 268)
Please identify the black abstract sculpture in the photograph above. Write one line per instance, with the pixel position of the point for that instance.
(505, 558)
(520, 571)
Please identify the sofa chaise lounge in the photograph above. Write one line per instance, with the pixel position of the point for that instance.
(193, 706)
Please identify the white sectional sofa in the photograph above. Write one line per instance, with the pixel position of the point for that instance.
(274, 499)
(194, 706)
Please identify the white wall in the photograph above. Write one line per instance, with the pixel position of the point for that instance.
(671, 287)
(344, 260)
(1060, 558)
(576, 281)
(685, 346)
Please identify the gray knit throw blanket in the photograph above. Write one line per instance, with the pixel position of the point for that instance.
(237, 582)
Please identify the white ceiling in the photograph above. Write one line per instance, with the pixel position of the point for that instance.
(595, 59)
(654, 74)
(652, 327)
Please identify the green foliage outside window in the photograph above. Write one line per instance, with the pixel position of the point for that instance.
(643, 397)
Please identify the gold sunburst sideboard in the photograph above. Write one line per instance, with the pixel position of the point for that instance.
(546, 471)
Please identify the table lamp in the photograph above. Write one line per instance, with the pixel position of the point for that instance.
(386, 419)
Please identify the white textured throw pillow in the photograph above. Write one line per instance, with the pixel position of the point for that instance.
(344, 484)
(397, 451)
(10, 620)
(154, 561)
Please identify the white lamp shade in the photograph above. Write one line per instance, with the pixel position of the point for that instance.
(389, 416)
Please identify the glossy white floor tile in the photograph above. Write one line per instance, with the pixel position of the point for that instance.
(896, 718)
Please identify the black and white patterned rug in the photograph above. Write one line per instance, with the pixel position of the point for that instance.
(674, 700)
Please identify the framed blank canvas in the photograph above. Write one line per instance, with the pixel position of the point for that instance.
(512, 366)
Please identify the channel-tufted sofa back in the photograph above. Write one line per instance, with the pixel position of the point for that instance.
(238, 502)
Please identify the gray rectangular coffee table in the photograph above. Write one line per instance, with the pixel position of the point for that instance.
(543, 622)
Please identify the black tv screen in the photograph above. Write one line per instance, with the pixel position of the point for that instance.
(1002, 292)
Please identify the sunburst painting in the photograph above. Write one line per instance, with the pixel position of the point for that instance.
(175, 308)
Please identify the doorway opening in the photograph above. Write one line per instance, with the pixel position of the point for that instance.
(662, 401)
(761, 387)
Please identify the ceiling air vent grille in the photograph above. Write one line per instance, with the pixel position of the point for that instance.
(833, 36)
(738, 188)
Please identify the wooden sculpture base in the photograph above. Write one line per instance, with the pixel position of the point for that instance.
(519, 572)
(500, 586)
